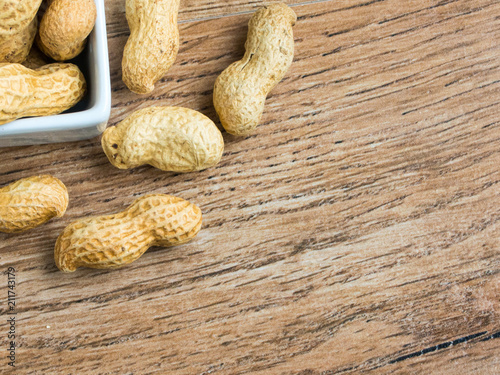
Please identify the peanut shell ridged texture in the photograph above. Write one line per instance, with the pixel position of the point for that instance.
(116, 240)
(30, 202)
(48, 90)
(241, 89)
(64, 28)
(18, 25)
(153, 44)
(17, 14)
(169, 138)
(15, 48)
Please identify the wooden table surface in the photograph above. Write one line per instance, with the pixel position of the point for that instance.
(358, 229)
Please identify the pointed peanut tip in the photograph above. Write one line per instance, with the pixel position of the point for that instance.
(63, 197)
(111, 142)
(137, 83)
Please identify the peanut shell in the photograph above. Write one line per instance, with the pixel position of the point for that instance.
(15, 48)
(18, 26)
(64, 28)
(241, 89)
(17, 14)
(169, 138)
(113, 241)
(153, 44)
(30, 202)
(48, 90)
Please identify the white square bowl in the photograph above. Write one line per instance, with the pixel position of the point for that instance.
(89, 117)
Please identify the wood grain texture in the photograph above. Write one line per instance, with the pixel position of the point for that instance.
(356, 231)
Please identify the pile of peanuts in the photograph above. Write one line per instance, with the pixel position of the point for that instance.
(169, 138)
(62, 35)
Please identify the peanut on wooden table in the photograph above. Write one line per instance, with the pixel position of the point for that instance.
(356, 230)
(169, 138)
(241, 89)
(153, 43)
(30, 202)
(116, 240)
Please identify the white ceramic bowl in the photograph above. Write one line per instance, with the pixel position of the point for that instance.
(89, 117)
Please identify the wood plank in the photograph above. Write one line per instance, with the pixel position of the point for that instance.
(206, 9)
(358, 226)
(476, 357)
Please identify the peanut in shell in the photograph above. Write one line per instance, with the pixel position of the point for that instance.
(48, 90)
(241, 90)
(168, 138)
(112, 241)
(30, 202)
(153, 44)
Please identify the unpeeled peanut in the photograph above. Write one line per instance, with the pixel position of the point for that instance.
(15, 48)
(169, 138)
(30, 202)
(116, 240)
(153, 44)
(241, 89)
(48, 90)
(64, 28)
(18, 24)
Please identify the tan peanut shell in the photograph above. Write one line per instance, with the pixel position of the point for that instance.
(153, 44)
(241, 89)
(15, 48)
(30, 202)
(17, 14)
(169, 138)
(18, 25)
(35, 59)
(48, 90)
(64, 28)
(116, 240)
